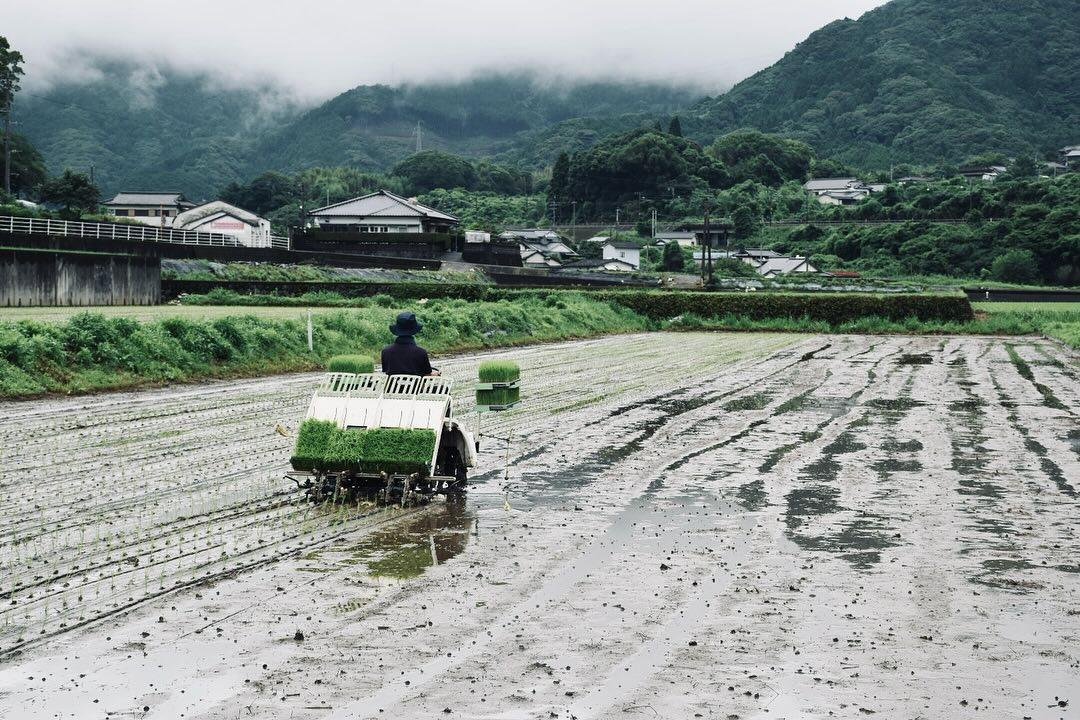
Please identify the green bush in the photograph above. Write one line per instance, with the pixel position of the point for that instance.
(312, 443)
(358, 364)
(492, 371)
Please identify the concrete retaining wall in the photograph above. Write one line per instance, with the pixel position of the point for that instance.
(63, 277)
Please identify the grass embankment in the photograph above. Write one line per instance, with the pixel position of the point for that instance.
(91, 352)
(1059, 320)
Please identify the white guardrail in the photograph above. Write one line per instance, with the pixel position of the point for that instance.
(136, 233)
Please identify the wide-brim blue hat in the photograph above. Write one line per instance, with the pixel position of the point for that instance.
(406, 324)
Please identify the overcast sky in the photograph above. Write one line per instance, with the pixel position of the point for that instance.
(321, 47)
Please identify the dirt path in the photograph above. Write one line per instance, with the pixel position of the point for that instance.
(695, 525)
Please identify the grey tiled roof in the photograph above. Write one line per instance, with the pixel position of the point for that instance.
(381, 204)
(149, 198)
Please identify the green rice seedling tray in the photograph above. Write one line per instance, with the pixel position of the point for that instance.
(497, 385)
(312, 441)
(321, 445)
(495, 408)
(394, 450)
(356, 364)
(498, 371)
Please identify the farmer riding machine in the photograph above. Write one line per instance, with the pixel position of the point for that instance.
(391, 436)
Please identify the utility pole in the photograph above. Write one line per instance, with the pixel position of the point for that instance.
(7, 144)
(573, 220)
(654, 223)
(708, 250)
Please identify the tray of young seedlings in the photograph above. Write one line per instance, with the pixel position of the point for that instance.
(498, 387)
(388, 437)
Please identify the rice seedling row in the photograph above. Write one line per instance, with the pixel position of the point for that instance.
(108, 502)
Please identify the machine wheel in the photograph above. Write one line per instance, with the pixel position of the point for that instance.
(456, 467)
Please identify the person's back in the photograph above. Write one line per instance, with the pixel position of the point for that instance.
(404, 356)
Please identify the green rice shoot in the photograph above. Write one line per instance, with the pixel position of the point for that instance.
(499, 371)
(359, 364)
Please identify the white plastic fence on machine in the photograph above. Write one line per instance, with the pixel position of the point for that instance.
(381, 401)
(138, 233)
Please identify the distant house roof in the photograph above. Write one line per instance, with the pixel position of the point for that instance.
(610, 264)
(676, 235)
(623, 245)
(539, 258)
(543, 234)
(150, 198)
(823, 184)
(382, 204)
(1073, 152)
(597, 239)
(913, 178)
(784, 265)
(854, 193)
(208, 210)
(755, 253)
(551, 248)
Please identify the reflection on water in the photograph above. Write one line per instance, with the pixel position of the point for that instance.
(406, 550)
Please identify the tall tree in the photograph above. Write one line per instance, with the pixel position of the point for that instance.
(72, 190)
(560, 178)
(675, 127)
(27, 165)
(673, 257)
(10, 72)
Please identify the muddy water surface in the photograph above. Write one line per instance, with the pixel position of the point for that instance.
(769, 527)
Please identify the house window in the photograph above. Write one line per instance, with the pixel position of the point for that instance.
(142, 213)
(120, 213)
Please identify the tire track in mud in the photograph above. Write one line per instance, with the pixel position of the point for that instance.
(872, 432)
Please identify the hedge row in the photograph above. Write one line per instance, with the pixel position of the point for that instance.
(831, 308)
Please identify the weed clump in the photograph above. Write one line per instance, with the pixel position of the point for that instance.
(358, 364)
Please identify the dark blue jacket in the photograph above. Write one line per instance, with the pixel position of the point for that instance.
(405, 357)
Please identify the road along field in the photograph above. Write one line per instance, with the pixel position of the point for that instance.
(688, 525)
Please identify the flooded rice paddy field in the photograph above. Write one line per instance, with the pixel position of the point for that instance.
(691, 525)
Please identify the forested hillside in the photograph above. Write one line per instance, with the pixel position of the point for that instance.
(144, 127)
(924, 81)
(375, 127)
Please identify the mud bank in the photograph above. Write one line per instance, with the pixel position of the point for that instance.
(694, 526)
